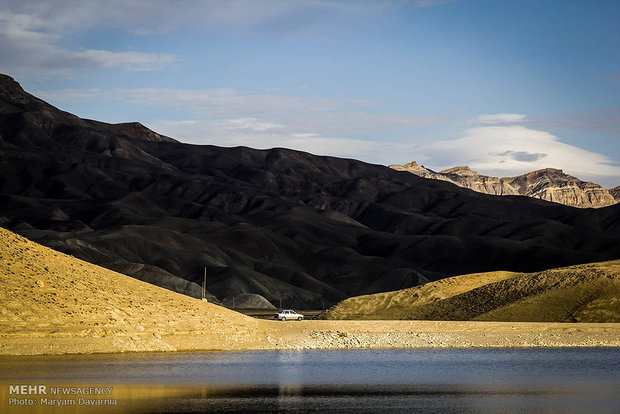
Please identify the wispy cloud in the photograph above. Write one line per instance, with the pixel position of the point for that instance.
(41, 37)
(146, 17)
(28, 47)
(500, 118)
(296, 114)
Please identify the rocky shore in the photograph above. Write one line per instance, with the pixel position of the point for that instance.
(324, 335)
(442, 334)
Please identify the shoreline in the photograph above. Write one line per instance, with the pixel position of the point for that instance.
(316, 335)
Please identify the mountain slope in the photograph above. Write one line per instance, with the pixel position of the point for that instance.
(54, 303)
(283, 224)
(548, 184)
(583, 293)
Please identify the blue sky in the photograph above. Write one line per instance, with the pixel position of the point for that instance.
(503, 86)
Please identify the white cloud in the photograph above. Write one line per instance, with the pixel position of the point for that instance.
(29, 47)
(513, 150)
(500, 118)
(43, 37)
(305, 135)
(145, 17)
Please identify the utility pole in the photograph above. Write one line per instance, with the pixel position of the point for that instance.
(204, 286)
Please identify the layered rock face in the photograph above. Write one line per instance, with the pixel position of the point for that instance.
(420, 170)
(465, 177)
(549, 184)
(553, 185)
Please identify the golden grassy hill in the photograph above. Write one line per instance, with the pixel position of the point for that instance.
(582, 293)
(51, 302)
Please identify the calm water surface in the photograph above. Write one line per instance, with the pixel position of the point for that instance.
(564, 380)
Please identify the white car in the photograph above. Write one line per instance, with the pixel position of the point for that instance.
(288, 314)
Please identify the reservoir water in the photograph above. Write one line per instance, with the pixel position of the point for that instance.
(557, 380)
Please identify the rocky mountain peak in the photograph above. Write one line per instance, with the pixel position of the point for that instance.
(12, 96)
(14, 100)
(411, 165)
(7, 83)
(547, 172)
(550, 184)
(417, 169)
(460, 170)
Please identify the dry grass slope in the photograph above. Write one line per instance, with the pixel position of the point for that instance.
(51, 302)
(583, 293)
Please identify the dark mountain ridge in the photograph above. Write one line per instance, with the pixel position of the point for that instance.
(279, 223)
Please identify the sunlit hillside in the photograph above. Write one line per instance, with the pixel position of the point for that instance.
(51, 302)
(583, 293)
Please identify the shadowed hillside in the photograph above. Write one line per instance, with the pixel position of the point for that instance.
(283, 224)
(583, 293)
